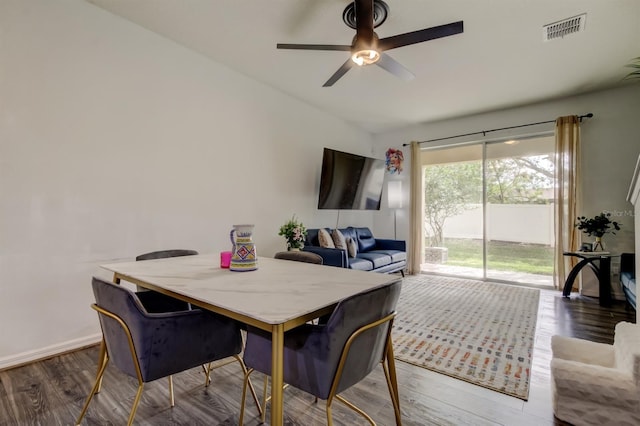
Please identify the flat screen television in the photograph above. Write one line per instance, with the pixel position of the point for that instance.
(350, 181)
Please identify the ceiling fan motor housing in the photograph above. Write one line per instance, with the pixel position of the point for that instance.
(380, 13)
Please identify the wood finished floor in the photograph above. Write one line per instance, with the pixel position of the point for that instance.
(52, 392)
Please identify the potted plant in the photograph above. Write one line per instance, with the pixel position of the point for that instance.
(295, 233)
(597, 226)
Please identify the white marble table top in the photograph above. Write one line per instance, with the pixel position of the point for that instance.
(277, 292)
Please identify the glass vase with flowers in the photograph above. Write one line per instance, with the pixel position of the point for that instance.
(294, 232)
(596, 227)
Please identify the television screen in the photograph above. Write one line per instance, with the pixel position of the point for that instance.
(350, 182)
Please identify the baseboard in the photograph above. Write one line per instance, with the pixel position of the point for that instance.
(48, 351)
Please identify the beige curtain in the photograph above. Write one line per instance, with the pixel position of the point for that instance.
(417, 212)
(567, 194)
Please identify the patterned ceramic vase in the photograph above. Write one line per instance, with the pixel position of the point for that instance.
(244, 257)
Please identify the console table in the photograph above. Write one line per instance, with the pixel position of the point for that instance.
(602, 271)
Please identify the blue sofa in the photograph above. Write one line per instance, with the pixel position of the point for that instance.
(628, 277)
(374, 254)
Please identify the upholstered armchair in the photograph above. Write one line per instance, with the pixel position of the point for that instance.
(299, 256)
(595, 383)
(164, 254)
(325, 360)
(149, 346)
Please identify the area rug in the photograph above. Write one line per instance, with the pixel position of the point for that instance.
(476, 331)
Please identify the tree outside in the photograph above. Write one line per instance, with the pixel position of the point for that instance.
(449, 189)
(452, 188)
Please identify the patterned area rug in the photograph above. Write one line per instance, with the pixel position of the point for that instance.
(476, 331)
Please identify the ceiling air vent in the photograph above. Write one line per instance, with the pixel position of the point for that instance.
(565, 27)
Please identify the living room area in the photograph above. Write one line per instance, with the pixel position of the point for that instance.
(119, 139)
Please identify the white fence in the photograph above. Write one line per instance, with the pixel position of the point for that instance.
(522, 223)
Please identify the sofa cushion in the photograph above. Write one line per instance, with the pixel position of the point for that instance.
(628, 281)
(378, 259)
(352, 247)
(325, 239)
(366, 240)
(396, 255)
(338, 239)
(312, 238)
(360, 264)
(349, 232)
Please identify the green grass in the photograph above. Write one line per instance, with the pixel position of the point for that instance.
(501, 256)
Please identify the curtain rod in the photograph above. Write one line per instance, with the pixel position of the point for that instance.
(484, 132)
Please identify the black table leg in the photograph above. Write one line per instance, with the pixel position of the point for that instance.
(604, 280)
(566, 291)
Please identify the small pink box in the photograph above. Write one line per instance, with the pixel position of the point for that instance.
(225, 259)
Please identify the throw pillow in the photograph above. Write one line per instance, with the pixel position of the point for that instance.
(325, 239)
(352, 247)
(338, 239)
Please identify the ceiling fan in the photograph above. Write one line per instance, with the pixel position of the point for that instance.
(366, 48)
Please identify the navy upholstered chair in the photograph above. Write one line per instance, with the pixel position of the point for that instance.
(149, 346)
(163, 254)
(325, 360)
(299, 256)
(302, 256)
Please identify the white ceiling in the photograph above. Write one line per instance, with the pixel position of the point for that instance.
(499, 61)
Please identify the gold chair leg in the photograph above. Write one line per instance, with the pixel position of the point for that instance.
(392, 381)
(136, 401)
(329, 416)
(207, 374)
(208, 369)
(95, 388)
(101, 360)
(265, 399)
(354, 408)
(262, 408)
(244, 395)
(171, 397)
(251, 388)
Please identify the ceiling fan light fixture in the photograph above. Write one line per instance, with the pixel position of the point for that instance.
(365, 57)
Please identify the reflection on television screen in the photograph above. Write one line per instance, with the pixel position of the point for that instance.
(350, 181)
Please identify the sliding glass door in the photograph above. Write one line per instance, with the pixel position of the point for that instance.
(489, 210)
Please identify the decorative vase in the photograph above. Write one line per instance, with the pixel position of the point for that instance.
(597, 246)
(292, 247)
(244, 257)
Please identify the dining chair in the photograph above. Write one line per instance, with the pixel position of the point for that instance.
(299, 256)
(307, 257)
(163, 254)
(326, 359)
(149, 346)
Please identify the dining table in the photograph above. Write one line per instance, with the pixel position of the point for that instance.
(276, 297)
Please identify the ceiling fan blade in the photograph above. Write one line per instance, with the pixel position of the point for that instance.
(394, 67)
(421, 35)
(339, 47)
(338, 74)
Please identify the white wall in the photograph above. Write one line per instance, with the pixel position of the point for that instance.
(610, 147)
(115, 141)
(536, 218)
